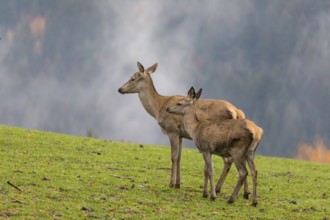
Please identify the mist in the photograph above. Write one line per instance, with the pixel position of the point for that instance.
(61, 64)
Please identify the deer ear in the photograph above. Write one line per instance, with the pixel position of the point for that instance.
(191, 93)
(199, 93)
(152, 68)
(141, 68)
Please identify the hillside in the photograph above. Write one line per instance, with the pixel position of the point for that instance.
(67, 177)
(63, 62)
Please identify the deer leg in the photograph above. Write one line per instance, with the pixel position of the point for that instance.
(209, 165)
(206, 180)
(227, 164)
(178, 165)
(174, 140)
(246, 187)
(242, 173)
(254, 174)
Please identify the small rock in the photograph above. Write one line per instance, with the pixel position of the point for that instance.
(16, 201)
(45, 179)
(87, 209)
(293, 202)
(324, 196)
(312, 208)
(93, 216)
(123, 187)
(32, 184)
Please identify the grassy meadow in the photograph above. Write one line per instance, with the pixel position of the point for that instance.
(54, 176)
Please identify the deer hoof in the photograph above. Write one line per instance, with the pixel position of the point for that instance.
(213, 198)
(246, 195)
(254, 203)
(204, 195)
(230, 201)
(177, 185)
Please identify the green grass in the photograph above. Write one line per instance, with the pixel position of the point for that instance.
(68, 177)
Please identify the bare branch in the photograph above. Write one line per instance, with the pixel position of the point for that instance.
(14, 186)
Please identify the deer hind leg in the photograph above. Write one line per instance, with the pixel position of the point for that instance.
(253, 169)
(174, 141)
(178, 166)
(246, 187)
(226, 167)
(242, 174)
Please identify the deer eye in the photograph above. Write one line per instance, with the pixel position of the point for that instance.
(132, 79)
(178, 104)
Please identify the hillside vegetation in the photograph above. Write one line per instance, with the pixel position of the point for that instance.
(54, 176)
(269, 58)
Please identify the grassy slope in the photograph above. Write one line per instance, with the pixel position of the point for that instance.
(67, 177)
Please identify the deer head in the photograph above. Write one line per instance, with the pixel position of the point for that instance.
(139, 80)
(183, 106)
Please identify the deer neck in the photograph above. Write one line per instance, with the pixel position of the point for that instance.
(151, 100)
(191, 122)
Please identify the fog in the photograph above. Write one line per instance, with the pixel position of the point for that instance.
(61, 64)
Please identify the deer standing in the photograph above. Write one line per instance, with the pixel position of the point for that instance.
(237, 139)
(172, 125)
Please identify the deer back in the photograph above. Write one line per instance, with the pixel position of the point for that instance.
(209, 109)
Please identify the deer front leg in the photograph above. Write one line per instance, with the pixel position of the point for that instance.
(209, 165)
(174, 141)
(178, 166)
(227, 164)
(206, 180)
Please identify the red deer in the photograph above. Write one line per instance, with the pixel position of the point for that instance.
(237, 139)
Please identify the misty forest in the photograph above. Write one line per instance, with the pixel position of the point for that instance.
(62, 62)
